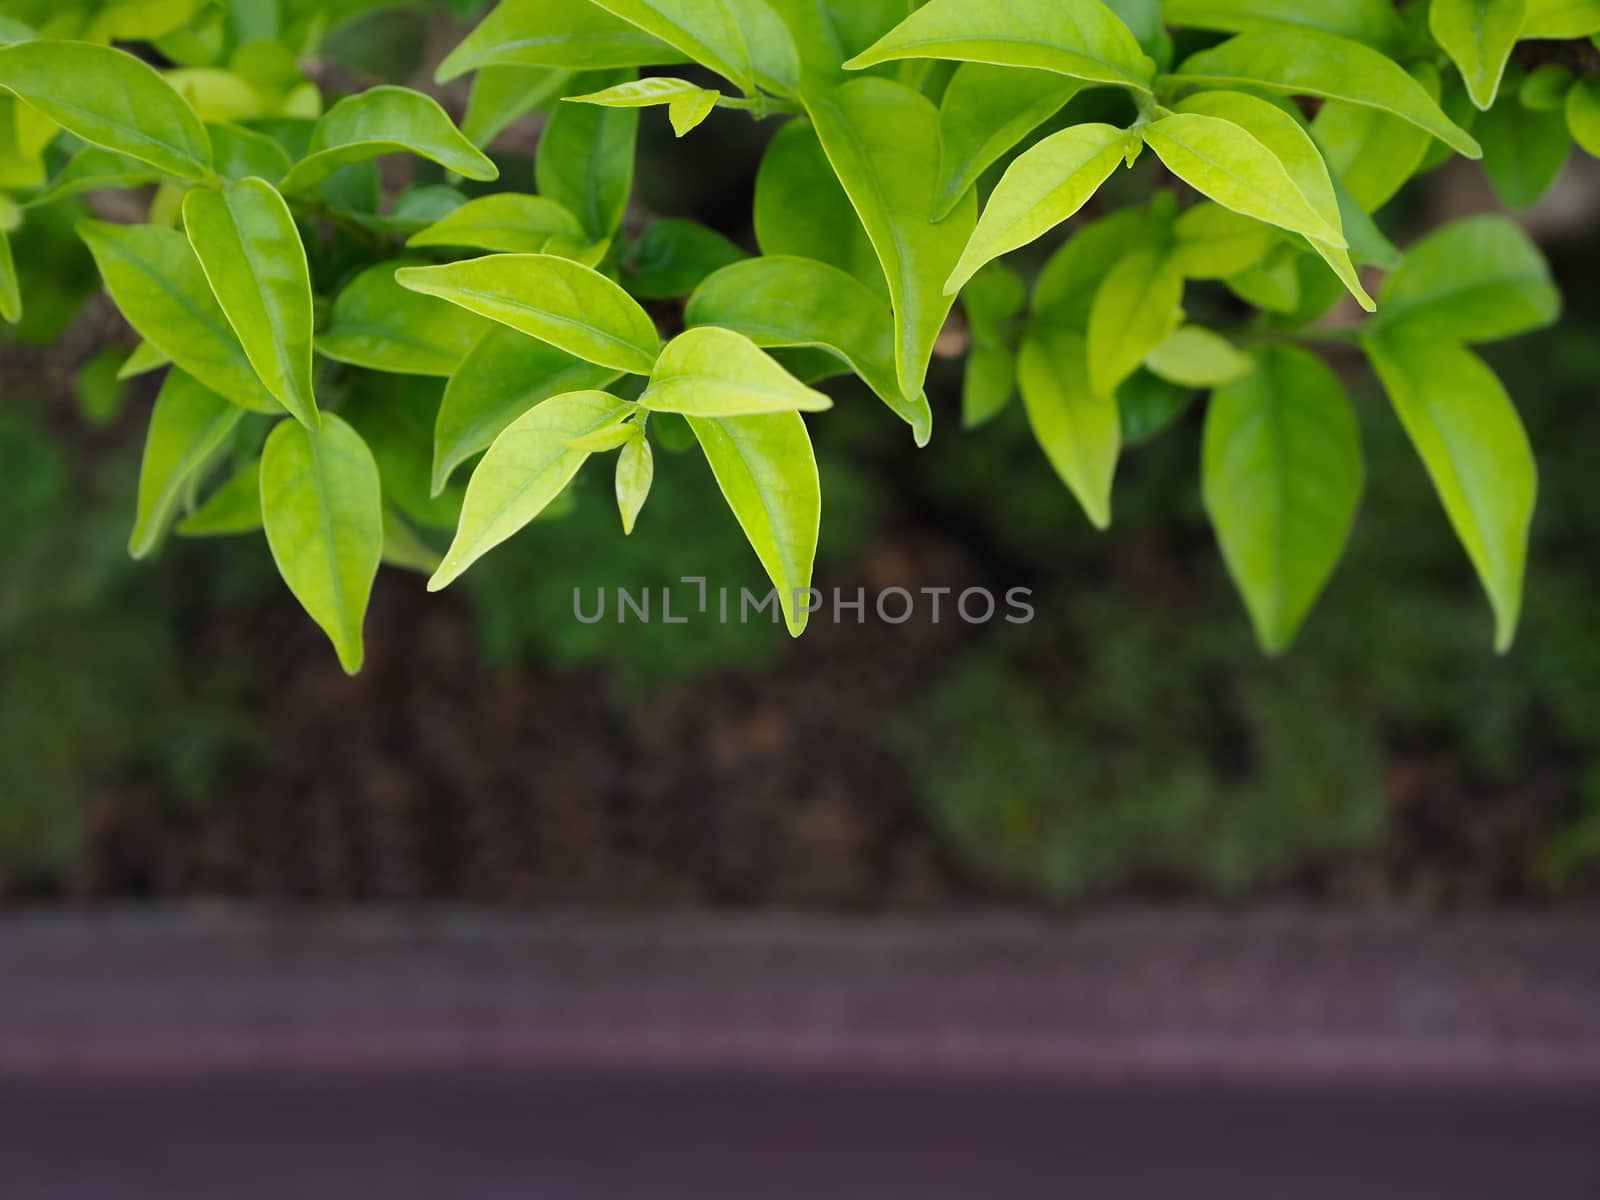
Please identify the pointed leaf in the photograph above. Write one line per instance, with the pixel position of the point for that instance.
(1066, 289)
(1077, 426)
(554, 33)
(586, 163)
(322, 505)
(144, 359)
(985, 112)
(1478, 35)
(232, 509)
(509, 223)
(1374, 152)
(381, 325)
(1136, 308)
(529, 465)
(636, 471)
(802, 210)
(1282, 477)
(713, 372)
(734, 38)
(687, 103)
(553, 299)
(1198, 358)
(250, 250)
(1523, 151)
(188, 425)
(1480, 279)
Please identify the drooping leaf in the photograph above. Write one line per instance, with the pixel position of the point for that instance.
(882, 140)
(1282, 477)
(385, 120)
(250, 250)
(636, 471)
(801, 210)
(586, 162)
(569, 305)
(111, 99)
(379, 324)
(506, 374)
(1047, 184)
(784, 301)
(688, 104)
(188, 425)
(1137, 307)
(157, 282)
(527, 467)
(232, 509)
(322, 505)
(1478, 35)
(767, 471)
(987, 110)
(1196, 357)
(554, 33)
(1075, 424)
(1319, 64)
(1476, 451)
(713, 372)
(1369, 21)
(511, 223)
(1083, 39)
(1523, 151)
(1475, 280)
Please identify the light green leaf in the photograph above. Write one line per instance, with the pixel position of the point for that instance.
(529, 465)
(1318, 64)
(1370, 21)
(10, 290)
(1137, 307)
(188, 426)
(1523, 151)
(735, 38)
(232, 509)
(144, 359)
(554, 33)
(687, 103)
(1293, 147)
(1232, 166)
(1583, 114)
(250, 250)
(609, 437)
(987, 110)
(636, 471)
(500, 95)
(995, 296)
(1065, 292)
(512, 224)
(1084, 39)
(767, 471)
(674, 257)
(506, 374)
(1046, 185)
(1212, 242)
(882, 139)
(156, 280)
(1076, 425)
(1282, 477)
(569, 305)
(1480, 279)
(322, 505)
(1562, 19)
(94, 169)
(714, 372)
(1272, 285)
(1478, 35)
(385, 120)
(784, 301)
(1373, 151)
(240, 153)
(111, 99)
(1198, 358)
(586, 162)
(379, 324)
(801, 209)
(1476, 451)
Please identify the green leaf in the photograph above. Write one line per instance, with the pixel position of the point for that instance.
(985, 112)
(740, 39)
(240, 153)
(586, 162)
(1583, 114)
(379, 324)
(995, 296)
(1065, 292)
(322, 505)
(1374, 152)
(767, 471)
(987, 383)
(1149, 406)
(157, 282)
(1137, 307)
(882, 139)
(1294, 149)
(1232, 166)
(554, 33)
(529, 465)
(1212, 242)
(385, 120)
(553, 299)
(94, 169)
(1546, 87)
(714, 372)
(1085, 39)
(111, 99)
(1076, 425)
(1476, 451)
(250, 250)
(514, 224)
(506, 374)
(801, 210)
(404, 548)
(10, 290)
(1478, 35)
(783, 301)
(1476, 280)
(1318, 64)
(674, 257)
(687, 103)
(1523, 151)
(1046, 185)
(144, 359)
(1198, 358)
(232, 509)
(502, 94)
(1369, 21)
(1562, 19)
(1282, 478)
(636, 471)
(188, 426)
